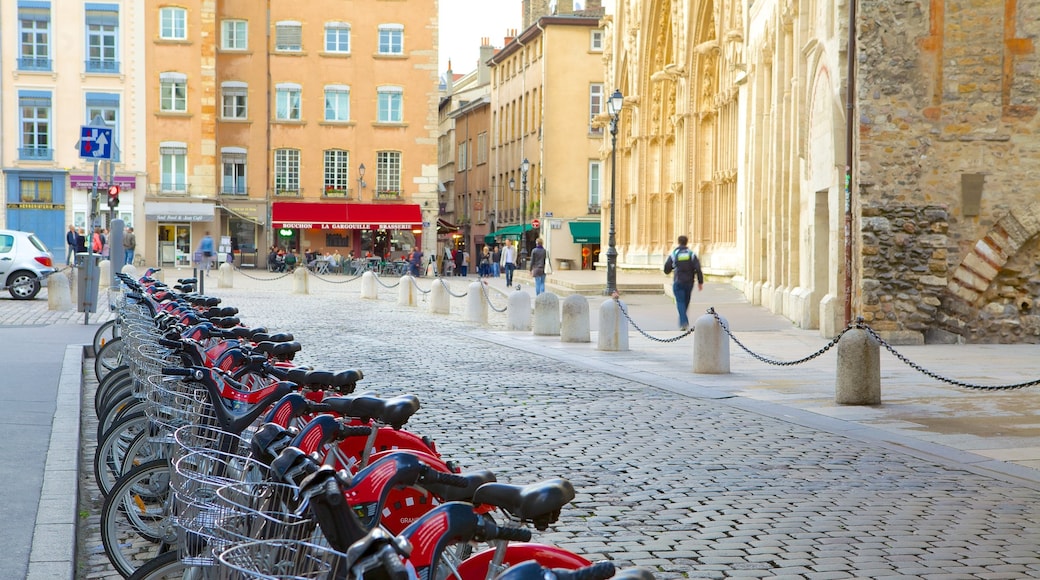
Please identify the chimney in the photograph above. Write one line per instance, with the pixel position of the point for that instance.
(483, 71)
(593, 7)
(564, 7)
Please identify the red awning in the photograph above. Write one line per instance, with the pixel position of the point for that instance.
(308, 215)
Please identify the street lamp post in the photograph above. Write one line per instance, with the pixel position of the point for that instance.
(525, 166)
(614, 108)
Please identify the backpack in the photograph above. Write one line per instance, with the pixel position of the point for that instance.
(681, 259)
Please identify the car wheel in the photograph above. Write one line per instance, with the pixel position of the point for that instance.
(23, 285)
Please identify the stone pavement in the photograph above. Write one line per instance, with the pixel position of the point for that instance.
(752, 474)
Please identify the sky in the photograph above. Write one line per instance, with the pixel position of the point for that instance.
(464, 22)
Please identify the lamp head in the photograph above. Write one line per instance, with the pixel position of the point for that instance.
(512, 183)
(615, 103)
(361, 170)
(525, 165)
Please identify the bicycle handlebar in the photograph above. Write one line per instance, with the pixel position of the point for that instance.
(431, 475)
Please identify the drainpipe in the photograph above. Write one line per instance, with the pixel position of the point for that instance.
(269, 155)
(850, 125)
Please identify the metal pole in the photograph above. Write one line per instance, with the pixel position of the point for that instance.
(612, 249)
(850, 124)
(523, 225)
(91, 271)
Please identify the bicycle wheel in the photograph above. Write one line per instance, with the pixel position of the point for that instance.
(108, 358)
(115, 379)
(105, 333)
(121, 449)
(135, 518)
(116, 410)
(167, 566)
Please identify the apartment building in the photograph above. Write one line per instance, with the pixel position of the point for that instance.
(308, 126)
(66, 64)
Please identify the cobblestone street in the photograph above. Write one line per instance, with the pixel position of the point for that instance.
(688, 487)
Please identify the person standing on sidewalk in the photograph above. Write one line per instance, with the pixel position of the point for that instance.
(206, 249)
(509, 261)
(686, 266)
(70, 241)
(539, 261)
(129, 245)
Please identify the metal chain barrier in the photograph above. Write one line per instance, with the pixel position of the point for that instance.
(416, 285)
(617, 300)
(385, 285)
(483, 288)
(448, 289)
(243, 272)
(337, 281)
(860, 324)
(761, 358)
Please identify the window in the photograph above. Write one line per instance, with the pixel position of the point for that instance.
(34, 115)
(234, 35)
(34, 36)
(337, 103)
(102, 26)
(389, 105)
(595, 105)
(288, 36)
(173, 167)
(462, 158)
(36, 191)
(482, 148)
(595, 183)
(388, 173)
(287, 102)
(391, 39)
(234, 100)
(173, 92)
(596, 41)
(233, 161)
(106, 106)
(337, 172)
(337, 37)
(287, 171)
(173, 23)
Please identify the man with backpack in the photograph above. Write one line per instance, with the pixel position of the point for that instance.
(686, 266)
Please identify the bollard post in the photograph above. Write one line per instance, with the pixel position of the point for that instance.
(406, 291)
(547, 314)
(613, 327)
(104, 276)
(519, 311)
(368, 286)
(225, 276)
(476, 304)
(710, 346)
(575, 324)
(59, 292)
(859, 369)
(440, 300)
(300, 281)
(130, 270)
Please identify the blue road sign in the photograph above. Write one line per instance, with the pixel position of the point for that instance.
(95, 143)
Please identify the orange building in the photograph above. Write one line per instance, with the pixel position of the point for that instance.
(304, 125)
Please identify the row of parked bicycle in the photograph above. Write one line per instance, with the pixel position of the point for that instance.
(220, 458)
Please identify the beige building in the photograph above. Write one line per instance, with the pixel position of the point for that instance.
(546, 94)
(64, 65)
(316, 133)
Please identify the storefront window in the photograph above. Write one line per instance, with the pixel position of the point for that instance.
(383, 242)
(175, 244)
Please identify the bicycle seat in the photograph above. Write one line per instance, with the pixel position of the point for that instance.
(394, 411)
(538, 503)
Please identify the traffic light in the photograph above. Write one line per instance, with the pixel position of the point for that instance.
(113, 196)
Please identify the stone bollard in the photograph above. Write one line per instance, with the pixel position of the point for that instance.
(59, 293)
(613, 327)
(575, 325)
(710, 346)
(476, 304)
(300, 281)
(368, 286)
(859, 369)
(226, 276)
(519, 311)
(104, 276)
(131, 271)
(406, 291)
(547, 314)
(440, 300)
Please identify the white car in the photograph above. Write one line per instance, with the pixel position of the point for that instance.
(24, 262)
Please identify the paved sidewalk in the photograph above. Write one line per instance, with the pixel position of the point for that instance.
(994, 435)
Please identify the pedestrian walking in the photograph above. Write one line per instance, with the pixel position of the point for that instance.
(206, 249)
(496, 259)
(508, 260)
(539, 263)
(129, 246)
(685, 265)
(415, 261)
(81, 241)
(485, 262)
(70, 241)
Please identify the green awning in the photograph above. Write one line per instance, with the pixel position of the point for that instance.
(585, 232)
(506, 233)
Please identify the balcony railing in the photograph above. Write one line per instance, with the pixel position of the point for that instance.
(594, 208)
(388, 194)
(102, 66)
(234, 190)
(34, 63)
(340, 192)
(172, 188)
(36, 153)
(287, 192)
